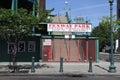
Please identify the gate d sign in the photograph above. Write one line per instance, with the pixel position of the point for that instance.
(70, 36)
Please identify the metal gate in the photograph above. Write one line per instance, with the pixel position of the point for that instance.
(72, 50)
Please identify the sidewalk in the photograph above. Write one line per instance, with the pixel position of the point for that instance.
(69, 69)
(99, 69)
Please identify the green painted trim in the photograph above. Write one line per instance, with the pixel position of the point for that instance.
(97, 50)
(49, 33)
(47, 36)
(59, 36)
(14, 6)
(80, 37)
(40, 49)
(36, 34)
(63, 37)
(35, 6)
(93, 37)
(33, 12)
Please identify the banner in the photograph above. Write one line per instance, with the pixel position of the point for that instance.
(69, 27)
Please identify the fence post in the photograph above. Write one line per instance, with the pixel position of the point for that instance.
(90, 65)
(61, 65)
(33, 65)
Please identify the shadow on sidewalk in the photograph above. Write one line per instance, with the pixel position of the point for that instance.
(102, 67)
(21, 68)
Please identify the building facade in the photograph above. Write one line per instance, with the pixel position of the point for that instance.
(50, 48)
(42, 4)
(118, 9)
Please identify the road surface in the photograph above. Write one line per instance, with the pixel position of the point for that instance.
(58, 78)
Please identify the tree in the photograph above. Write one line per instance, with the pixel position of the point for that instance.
(17, 26)
(103, 31)
(14, 27)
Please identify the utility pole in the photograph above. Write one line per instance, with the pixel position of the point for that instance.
(112, 68)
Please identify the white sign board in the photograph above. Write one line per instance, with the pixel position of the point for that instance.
(69, 36)
(69, 27)
(47, 42)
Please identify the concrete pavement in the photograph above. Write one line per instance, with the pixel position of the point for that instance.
(69, 69)
(100, 69)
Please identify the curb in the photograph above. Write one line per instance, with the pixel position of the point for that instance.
(60, 74)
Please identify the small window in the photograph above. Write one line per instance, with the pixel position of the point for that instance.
(21, 46)
(31, 46)
(11, 48)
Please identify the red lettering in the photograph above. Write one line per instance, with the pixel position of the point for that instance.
(62, 25)
(87, 26)
(57, 25)
(50, 26)
(83, 26)
(69, 27)
(79, 25)
(76, 25)
(53, 25)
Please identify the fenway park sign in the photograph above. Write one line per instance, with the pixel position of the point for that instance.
(69, 27)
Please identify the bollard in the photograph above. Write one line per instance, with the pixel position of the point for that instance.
(90, 65)
(33, 65)
(61, 65)
(40, 61)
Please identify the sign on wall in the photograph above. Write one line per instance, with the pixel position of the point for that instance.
(47, 42)
(11, 48)
(21, 46)
(69, 27)
(31, 46)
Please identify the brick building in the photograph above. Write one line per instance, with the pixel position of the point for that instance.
(42, 4)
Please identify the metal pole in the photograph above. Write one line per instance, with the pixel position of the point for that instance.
(97, 50)
(90, 65)
(112, 68)
(33, 8)
(14, 6)
(33, 65)
(87, 49)
(40, 49)
(61, 64)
